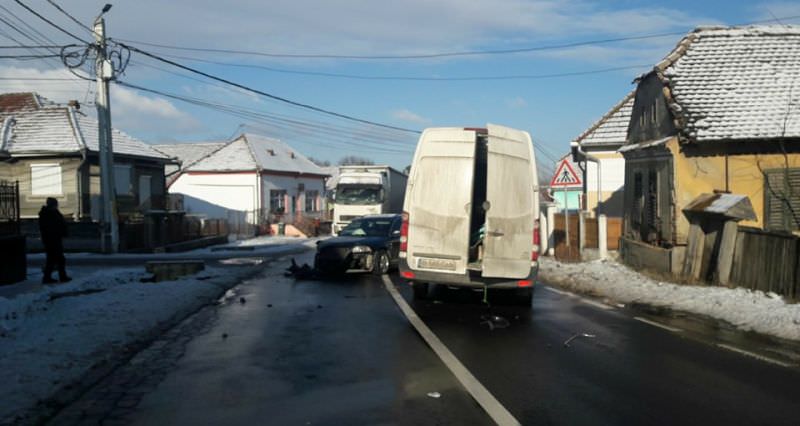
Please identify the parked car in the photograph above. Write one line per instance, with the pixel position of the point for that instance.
(369, 243)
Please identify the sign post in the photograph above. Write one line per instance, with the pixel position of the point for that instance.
(565, 177)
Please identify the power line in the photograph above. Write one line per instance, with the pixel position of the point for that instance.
(418, 56)
(28, 46)
(37, 79)
(432, 55)
(53, 24)
(80, 24)
(291, 124)
(25, 57)
(371, 132)
(40, 38)
(405, 78)
(268, 95)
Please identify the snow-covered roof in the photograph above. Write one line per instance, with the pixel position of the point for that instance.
(188, 153)
(612, 128)
(255, 152)
(735, 83)
(47, 128)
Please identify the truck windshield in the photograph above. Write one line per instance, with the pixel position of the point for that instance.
(359, 194)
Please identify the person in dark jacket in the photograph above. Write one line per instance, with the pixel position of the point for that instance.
(53, 229)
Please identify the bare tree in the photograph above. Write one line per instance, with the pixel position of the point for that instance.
(354, 160)
(787, 193)
(321, 163)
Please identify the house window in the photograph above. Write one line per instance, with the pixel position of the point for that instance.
(311, 201)
(782, 199)
(277, 200)
(122, 179)
(46, 179)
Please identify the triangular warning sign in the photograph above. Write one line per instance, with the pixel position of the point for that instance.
(565, 175)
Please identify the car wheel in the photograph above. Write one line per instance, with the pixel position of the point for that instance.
(380, 263)
(420, 291)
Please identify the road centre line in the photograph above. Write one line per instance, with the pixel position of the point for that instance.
(659, 325)
(482, 396)
(755, 355)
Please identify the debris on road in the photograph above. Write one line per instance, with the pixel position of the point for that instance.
(434, 394)
(242, 300)
(494, 321)
(575, 336)
(304, 272)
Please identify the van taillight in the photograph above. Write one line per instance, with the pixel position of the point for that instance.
(536, 241)
(404, 233)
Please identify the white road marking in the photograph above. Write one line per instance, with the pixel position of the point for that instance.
(561, 292)
(573, 295)
(659, 325)
(596, 304)
(486, 400)
(754, 355)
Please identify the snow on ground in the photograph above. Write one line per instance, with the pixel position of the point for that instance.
(51, 335)
(749, 310)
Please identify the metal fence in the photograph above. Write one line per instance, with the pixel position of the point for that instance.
(9, 207)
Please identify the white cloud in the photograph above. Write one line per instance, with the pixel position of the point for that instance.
(138, 113)
(369, 27)
(131, 112)
(516, 103)
(411, 117)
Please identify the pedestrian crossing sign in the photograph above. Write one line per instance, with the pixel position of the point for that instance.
(565, 176)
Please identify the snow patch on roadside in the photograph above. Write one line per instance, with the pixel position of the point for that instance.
(52, 338)
(748, 310)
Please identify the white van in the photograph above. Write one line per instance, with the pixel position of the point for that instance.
(470, 211)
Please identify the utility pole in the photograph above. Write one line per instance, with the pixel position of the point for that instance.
(104, 72)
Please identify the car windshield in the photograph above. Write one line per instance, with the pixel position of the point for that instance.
(358, 194)
(367, 228)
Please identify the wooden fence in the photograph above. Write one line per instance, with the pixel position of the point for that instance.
(571, 252)
(767, 261)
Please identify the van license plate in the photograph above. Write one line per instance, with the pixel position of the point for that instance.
(440, 264)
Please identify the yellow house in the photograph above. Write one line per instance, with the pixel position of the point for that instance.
(721, 113)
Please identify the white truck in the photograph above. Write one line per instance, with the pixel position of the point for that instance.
(363, 190)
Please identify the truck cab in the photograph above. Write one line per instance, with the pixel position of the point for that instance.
(366, 190)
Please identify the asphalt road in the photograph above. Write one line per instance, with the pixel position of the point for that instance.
(312, 352)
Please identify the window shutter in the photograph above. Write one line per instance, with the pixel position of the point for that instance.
(46, 179)
(782, 199)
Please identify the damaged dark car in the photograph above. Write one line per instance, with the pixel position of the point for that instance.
(367, 244)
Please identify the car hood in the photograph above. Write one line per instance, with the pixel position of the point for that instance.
(340, 242)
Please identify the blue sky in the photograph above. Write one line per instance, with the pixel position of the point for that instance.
(553, 110)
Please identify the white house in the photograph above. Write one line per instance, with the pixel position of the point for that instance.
(599, 144)
(252, 178)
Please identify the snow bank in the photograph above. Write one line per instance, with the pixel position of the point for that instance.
(53, 337)
(746, 309)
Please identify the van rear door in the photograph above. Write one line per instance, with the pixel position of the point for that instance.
(509, 191)
(438, 201)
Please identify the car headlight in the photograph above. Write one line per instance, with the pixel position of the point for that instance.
(362, 249)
